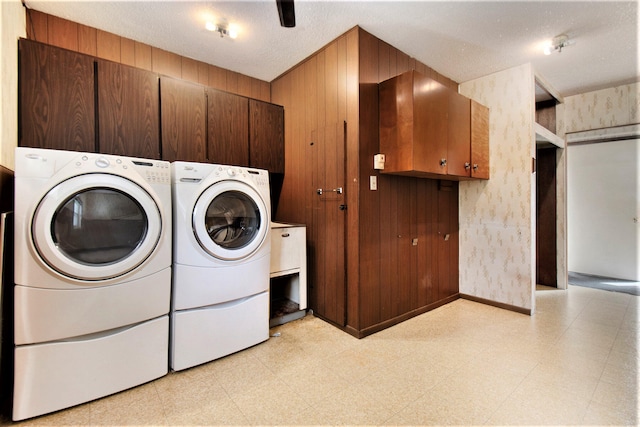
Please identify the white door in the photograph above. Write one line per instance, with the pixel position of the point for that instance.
(603, 209)
(94, 232)
(230, 220)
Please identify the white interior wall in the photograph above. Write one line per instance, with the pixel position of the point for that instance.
(497, 217)
(603, 209)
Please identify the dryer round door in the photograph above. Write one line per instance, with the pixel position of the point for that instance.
(96, 227)
(230, 220)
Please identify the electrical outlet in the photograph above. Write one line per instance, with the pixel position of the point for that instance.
(373, 182)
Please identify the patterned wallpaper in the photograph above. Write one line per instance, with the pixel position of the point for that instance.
(497, 245)
(604, 108)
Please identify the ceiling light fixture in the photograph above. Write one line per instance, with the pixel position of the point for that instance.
(223, 30)
(557, 44)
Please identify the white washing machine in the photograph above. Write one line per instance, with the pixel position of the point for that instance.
(222, 246)
(92, 276)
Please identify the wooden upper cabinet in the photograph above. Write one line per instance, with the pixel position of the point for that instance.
(479, 141)
(128, 111)
(56, 98)
(425, 128)
(183, 117)
(228, 128)
(266, 136)
(413, 131)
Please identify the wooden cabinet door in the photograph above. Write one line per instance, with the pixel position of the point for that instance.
(56, 98)
(459, 135)
(266, 136)
(183, 110)
(128, 111)
(327, 266)
(228, 128)
(430, 126)
(447, 237)
(479, 141)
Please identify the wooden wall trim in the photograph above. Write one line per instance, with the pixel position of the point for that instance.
(80, 38)
(504, 306)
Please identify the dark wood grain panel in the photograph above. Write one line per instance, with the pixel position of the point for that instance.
(447, 239)
(228, 128)
(389, 277)
(183, 118)
(56, 100)
(546, 200)
(128, 111)
(266, 136)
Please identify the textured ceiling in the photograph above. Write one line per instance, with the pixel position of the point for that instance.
(461, 40)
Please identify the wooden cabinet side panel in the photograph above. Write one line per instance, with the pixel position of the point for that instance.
(56, 103)
(266, 136)
(479, 141)
(459, 147)
(396, 123)
(128, 110)
(183, 110)
(228, 128)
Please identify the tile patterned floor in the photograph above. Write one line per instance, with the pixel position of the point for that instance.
(575, 362)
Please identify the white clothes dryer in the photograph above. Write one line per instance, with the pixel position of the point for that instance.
(92, 289)
(222, 247)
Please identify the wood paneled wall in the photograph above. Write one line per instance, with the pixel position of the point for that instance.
(101, 44)
(340, 82)
(397, 278)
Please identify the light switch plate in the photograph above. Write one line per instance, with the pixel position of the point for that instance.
(373, 182)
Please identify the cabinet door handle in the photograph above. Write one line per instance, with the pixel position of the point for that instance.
(320, 191)
(467, 165)
(475, 167)
(443, 162)
(285, 234)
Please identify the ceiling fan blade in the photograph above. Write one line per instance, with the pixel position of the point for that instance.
(287, 13)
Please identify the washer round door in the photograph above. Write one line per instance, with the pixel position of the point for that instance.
(230, 220)
(96, 227)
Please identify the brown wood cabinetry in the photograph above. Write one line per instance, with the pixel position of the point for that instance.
(128, 111)
(266, 136)
(427, 129)
(184, 114)
(72, 101)
(56, 98)
(228, 130)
